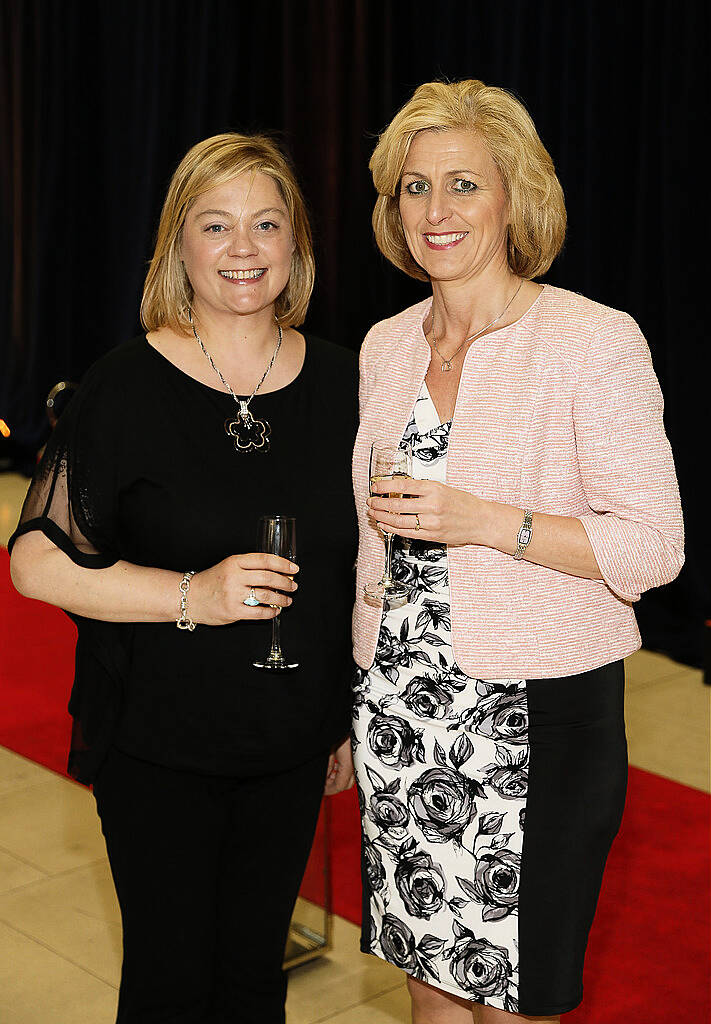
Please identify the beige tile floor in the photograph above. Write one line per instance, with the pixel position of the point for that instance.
(60, 933)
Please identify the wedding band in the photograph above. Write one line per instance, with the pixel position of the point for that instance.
(251, 600)
(417, 524)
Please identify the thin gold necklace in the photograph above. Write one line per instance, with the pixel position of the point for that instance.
(447, 363)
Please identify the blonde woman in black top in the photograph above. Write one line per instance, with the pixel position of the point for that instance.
(208, 772)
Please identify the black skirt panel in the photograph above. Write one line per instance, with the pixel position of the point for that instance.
(576, 796)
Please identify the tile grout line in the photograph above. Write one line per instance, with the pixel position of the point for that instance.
(65, 873)
(353, 1006)
(28, 863)
(13, 791)
(632, 687)
(62, 956)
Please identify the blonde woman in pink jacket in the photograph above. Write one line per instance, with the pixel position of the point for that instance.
(489, 733)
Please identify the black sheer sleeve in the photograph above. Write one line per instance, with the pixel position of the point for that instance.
(73, 495)
(72, 500)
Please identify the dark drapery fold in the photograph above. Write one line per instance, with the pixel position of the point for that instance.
(99, 102)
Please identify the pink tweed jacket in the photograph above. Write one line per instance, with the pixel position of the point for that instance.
(560, 412)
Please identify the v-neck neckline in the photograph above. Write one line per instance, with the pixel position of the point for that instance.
(436, 416)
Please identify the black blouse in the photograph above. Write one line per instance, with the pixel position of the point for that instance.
(139, 468)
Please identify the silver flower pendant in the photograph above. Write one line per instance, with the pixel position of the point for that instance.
(248, 434)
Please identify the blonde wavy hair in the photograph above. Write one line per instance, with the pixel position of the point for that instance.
(167, 292)
(536, 203)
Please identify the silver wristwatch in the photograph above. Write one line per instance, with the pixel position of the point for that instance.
(523, 538)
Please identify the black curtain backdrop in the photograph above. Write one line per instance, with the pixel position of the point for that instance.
(99, 101)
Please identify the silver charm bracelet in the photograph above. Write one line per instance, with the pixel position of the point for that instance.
(185, 622)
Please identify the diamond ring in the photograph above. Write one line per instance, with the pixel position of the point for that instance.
(417, 521)
(251, 600)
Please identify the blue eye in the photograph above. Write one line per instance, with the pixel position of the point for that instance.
(417, 188)
(265, 225)
(214, 229)
(463, 185)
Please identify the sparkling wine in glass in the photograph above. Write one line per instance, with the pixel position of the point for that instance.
(392, 463)
(277, 536)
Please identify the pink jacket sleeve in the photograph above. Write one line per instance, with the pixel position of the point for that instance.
(635, 527)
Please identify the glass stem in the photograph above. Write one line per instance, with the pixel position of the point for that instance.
(275, 653)
(387, 575)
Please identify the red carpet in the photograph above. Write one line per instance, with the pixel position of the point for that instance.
(36, 669)
(648, 953)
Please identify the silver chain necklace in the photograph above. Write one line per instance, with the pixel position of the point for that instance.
(447, 363)
(248, 434)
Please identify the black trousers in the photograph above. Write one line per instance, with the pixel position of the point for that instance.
(207, 871)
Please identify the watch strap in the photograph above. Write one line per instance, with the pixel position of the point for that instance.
(525, 534)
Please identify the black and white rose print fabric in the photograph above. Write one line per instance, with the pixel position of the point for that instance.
(442, 769)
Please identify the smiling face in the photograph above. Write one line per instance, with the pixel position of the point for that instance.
(453, 206)
(237, 245)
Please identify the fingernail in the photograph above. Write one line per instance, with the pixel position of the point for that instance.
(293, 566)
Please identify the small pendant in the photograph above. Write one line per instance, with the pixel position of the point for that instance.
(446, 365)
(248, 434)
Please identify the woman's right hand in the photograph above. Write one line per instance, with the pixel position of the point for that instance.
(217, 595)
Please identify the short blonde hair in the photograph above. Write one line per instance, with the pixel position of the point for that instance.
(167, 293)
(536, 204)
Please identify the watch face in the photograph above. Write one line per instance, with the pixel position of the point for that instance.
(524, 536)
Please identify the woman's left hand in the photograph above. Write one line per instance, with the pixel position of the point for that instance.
(444, 514)
(340, 774)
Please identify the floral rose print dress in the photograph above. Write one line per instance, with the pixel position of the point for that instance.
(442, 764)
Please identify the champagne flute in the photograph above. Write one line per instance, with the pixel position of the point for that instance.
(277, 536)
(393, 463)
